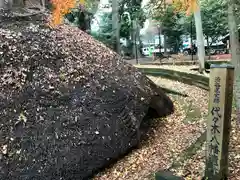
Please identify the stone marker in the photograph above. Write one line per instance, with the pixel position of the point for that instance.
(219, 121)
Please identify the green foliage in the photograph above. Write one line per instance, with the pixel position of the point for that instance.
(80, 18)
(91, 5)
(105, 33)
(214, 18)
(135, 11)
(76, 17)
(104, 38)
(172, 26)
(105, 29)
(155, 8)
(105, 23)
(188, 24)
(125, 27)
(134, 8)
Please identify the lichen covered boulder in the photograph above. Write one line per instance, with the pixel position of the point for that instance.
(68, 104)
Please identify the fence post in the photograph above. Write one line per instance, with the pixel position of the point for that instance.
(219, 121)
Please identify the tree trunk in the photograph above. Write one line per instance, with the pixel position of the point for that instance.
(115, 26)
(233, 31)
(200, 40)
(164, 44)
(134, 48)
(177, 46)
(159, 37)
(138, 38)
(234, 45)
(208, 48)
(164, 35)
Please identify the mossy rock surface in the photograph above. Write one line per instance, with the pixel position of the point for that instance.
(69, 105)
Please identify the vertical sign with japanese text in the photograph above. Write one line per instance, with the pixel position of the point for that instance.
(219, 121)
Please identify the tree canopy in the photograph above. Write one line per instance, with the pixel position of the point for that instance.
(214, 18)
(176, 21)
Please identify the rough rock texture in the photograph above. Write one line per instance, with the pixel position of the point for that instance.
(65, 108)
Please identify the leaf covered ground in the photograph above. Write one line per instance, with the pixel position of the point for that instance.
(67, 102)
(169, 138)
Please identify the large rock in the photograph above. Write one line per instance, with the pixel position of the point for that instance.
(66, 109)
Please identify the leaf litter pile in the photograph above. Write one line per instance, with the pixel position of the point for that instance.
(169, 137)
(67, 109)
(68, 104)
